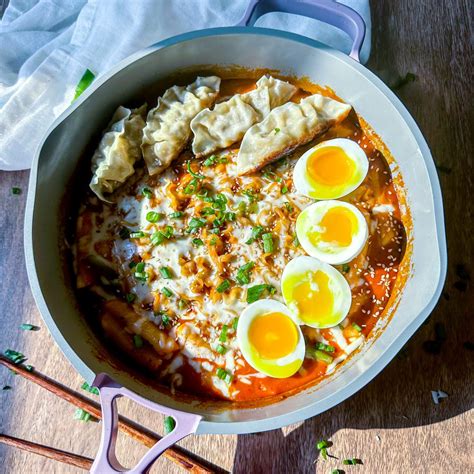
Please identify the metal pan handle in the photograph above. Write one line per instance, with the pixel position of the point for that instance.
(328, 11)
(106, 461)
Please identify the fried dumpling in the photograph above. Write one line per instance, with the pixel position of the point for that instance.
(167, 127)
(228, 121)
(119, 149)
(285, 128)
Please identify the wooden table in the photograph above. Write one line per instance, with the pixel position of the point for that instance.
(392, 424)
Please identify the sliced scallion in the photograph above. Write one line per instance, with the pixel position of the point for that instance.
(221, 349)
(167, 292)
(82, 415)
(268, 246)
(325, 347)
(176, 215)
(356, 327)
(147, 193)
(223, 336)
(153, 216)
(224, 286)
(192, 173)
(166, 273)
(323, 357)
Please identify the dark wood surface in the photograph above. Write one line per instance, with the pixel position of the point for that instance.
(392, 424)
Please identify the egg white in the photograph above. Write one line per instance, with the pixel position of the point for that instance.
(297, 270)
(306, 186)
(330, 252)
(251, 355)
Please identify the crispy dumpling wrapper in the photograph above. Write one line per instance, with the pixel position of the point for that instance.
(113, 161)
(285, 128)
(228, 121)
(167, 127)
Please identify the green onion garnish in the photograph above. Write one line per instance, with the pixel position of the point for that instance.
(197, 242)
(219, 201)
(213, 241)
(16, 190)
(224, 375)
(284, 189)
(169, 424)
(182, 304)
(345, 268)
(137, 235)
(192, 173)
(235, 322)
(207, 211)
(277, 130)
(29, 327)
(157, 238)
(85, 386)
(243, 276)
(14, 356)
(325, 347)
(323, 357)
(224, 286)
(194, 224)
(223, 336)
(191, 187)
(147, 193)
(176, 215)
(296, 241)
(130, 297)
(210, 161)
(256, 292)
(82, 415)
(84, 83)
(322, 444)
(357, 327)
(137, 341)
(142, 276)
(153, 216)
(140, 266)
(289, 207)
(165, 319)
(256, 233)
(268, 246)
(166, 273)
(221, 349)
(167, 292)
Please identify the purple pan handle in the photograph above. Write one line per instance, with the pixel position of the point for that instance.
(106, 461)
(328, 11)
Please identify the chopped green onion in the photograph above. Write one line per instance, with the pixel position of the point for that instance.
(277, 130)
(357, 327)
(224, 286)
(16, 190)
(142, 276)
(82, 415)
(284, 189)
(243, 276)
(84, 83)
(194, 224)
(166, 273)
(345, 268)
(221, 349)
(147, 193)
(210, 161)
(324, 453)
(322, 444)
(165, 319)
(85, 386)
(253, 208)
(325, 347)
(219, 201)
(168, 231)
(14, 356)
(250, 194)
(157, 238)
(132, 264)
(296, 241)
(137, 235)
(182, 304)
(224, 375)
(191, 187)
(169, 424)
(124, 233)
(254, 293)
(140, 267)
(192, 173)
(242, 208)
(137, 341)
(352, 462)
(197, 242)
(213, 241)
(256, 232)
(153, 216)
(323, 357)
(289, 207)
(167, 292)
(176, 215)
(130, 297)
(207, 211)
(268, 246)
(29, 327)
(235, 322)
(223, 336)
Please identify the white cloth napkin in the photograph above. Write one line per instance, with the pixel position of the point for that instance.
(46, 46)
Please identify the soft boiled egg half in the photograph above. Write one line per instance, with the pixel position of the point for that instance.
(270, 339)
(333, 231)
(331, 169)
(316, 293)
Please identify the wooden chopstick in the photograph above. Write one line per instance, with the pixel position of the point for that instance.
(48, 452)
(181, 457)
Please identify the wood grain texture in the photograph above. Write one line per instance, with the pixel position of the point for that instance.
(392, 424)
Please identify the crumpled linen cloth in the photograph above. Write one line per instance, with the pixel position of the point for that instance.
(46, 46)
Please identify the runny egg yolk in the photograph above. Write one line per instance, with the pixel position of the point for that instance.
(338, 224)
(314, 298)
(330, 166)
(273, 335)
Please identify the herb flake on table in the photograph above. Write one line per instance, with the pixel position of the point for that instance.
(82, 415)
(14, 356)
(85, 386)
(29, 327)
(16, 191)
(85, 81)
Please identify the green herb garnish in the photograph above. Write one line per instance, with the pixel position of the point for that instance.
(256, 292)
(147, 193)
(323, 357)
(167, 292)
(268, 246)
(345, 268)
(82, 415)
(256, 233)
(137, 235)
(165, 319)
(176, 215)
(235, 322)
(277, 130)
(284, 189)
(192, 186)
(85, 386)
(221, 349)
(356, 327)
(224, 375)
(223, 287)
(192, 173)
(197, 242)
(130, 297)
(352, 462)
(153, 216)
(166, 273)
(325, 347)
(243, 276)
(195, 223)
